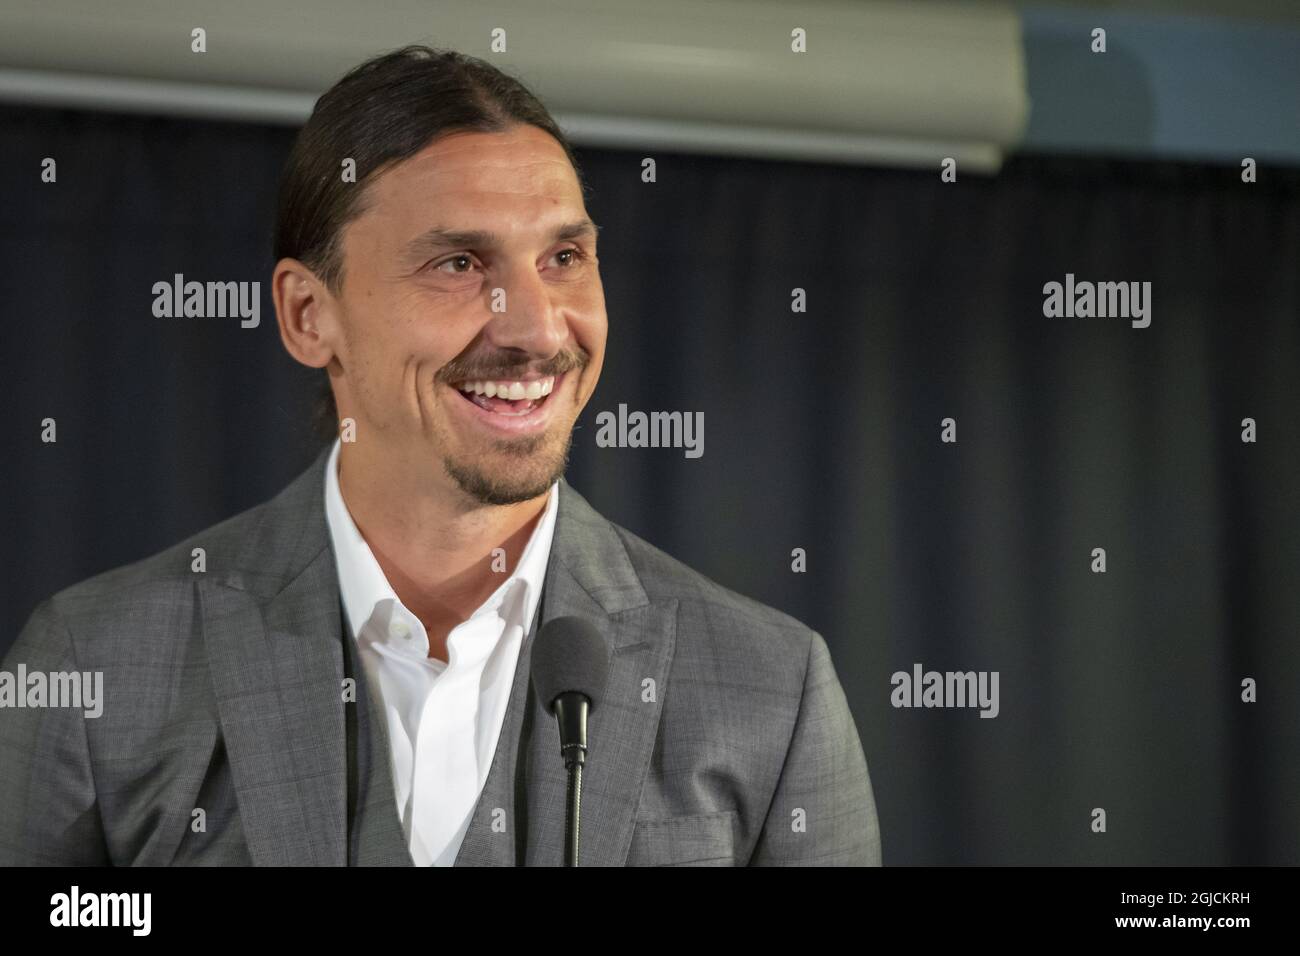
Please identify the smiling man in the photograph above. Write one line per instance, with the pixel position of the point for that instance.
(459, 354)
(346, 680)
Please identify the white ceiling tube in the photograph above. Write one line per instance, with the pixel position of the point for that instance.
(893, 83)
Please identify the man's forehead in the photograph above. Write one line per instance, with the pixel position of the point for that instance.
(518, 179)
(523, 161)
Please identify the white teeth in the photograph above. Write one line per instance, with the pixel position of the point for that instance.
(512, 390)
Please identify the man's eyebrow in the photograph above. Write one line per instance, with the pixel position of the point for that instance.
(439, 238)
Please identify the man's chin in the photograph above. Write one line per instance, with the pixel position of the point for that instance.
(508, 482)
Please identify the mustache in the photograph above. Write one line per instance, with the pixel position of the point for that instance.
(507, 367)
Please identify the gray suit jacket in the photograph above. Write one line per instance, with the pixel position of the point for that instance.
(724, 737)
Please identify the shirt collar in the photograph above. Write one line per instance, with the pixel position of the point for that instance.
(363, 585)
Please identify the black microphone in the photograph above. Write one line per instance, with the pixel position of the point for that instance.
(570, 659)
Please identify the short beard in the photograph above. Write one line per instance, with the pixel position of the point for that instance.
(491, 489)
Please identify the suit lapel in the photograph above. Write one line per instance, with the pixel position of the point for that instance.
(519, 818)
(277, 672)
(272, 631)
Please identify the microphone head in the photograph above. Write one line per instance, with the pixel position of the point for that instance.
(569, 654)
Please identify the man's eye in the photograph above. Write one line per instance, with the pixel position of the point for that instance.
(577, 256)
(458, 258)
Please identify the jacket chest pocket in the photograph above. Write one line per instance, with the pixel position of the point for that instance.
(704, 839)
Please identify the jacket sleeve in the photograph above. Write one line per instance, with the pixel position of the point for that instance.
(49, 812)
(823, 812)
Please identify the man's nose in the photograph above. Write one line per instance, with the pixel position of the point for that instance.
(531, 318)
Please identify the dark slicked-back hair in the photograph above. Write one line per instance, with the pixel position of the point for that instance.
(382, 112)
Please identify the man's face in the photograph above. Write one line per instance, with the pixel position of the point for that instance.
(426, 318)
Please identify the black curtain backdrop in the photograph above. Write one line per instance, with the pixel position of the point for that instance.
(1119, 690)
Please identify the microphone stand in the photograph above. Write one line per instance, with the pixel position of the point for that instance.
(571, 712)
(573, 806)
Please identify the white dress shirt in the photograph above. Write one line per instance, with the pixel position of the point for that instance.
(443, 719)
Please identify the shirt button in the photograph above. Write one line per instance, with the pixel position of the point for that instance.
(399, 629)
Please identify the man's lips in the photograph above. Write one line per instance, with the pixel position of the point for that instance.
(515, 416)
(522, 389)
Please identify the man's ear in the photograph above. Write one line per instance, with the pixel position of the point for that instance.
(306, 312)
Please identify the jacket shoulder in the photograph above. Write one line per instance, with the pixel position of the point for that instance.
(713, 614)
(249, 551)
(256, 550)
(171, 567)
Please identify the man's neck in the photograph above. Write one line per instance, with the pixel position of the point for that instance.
(433, 545)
